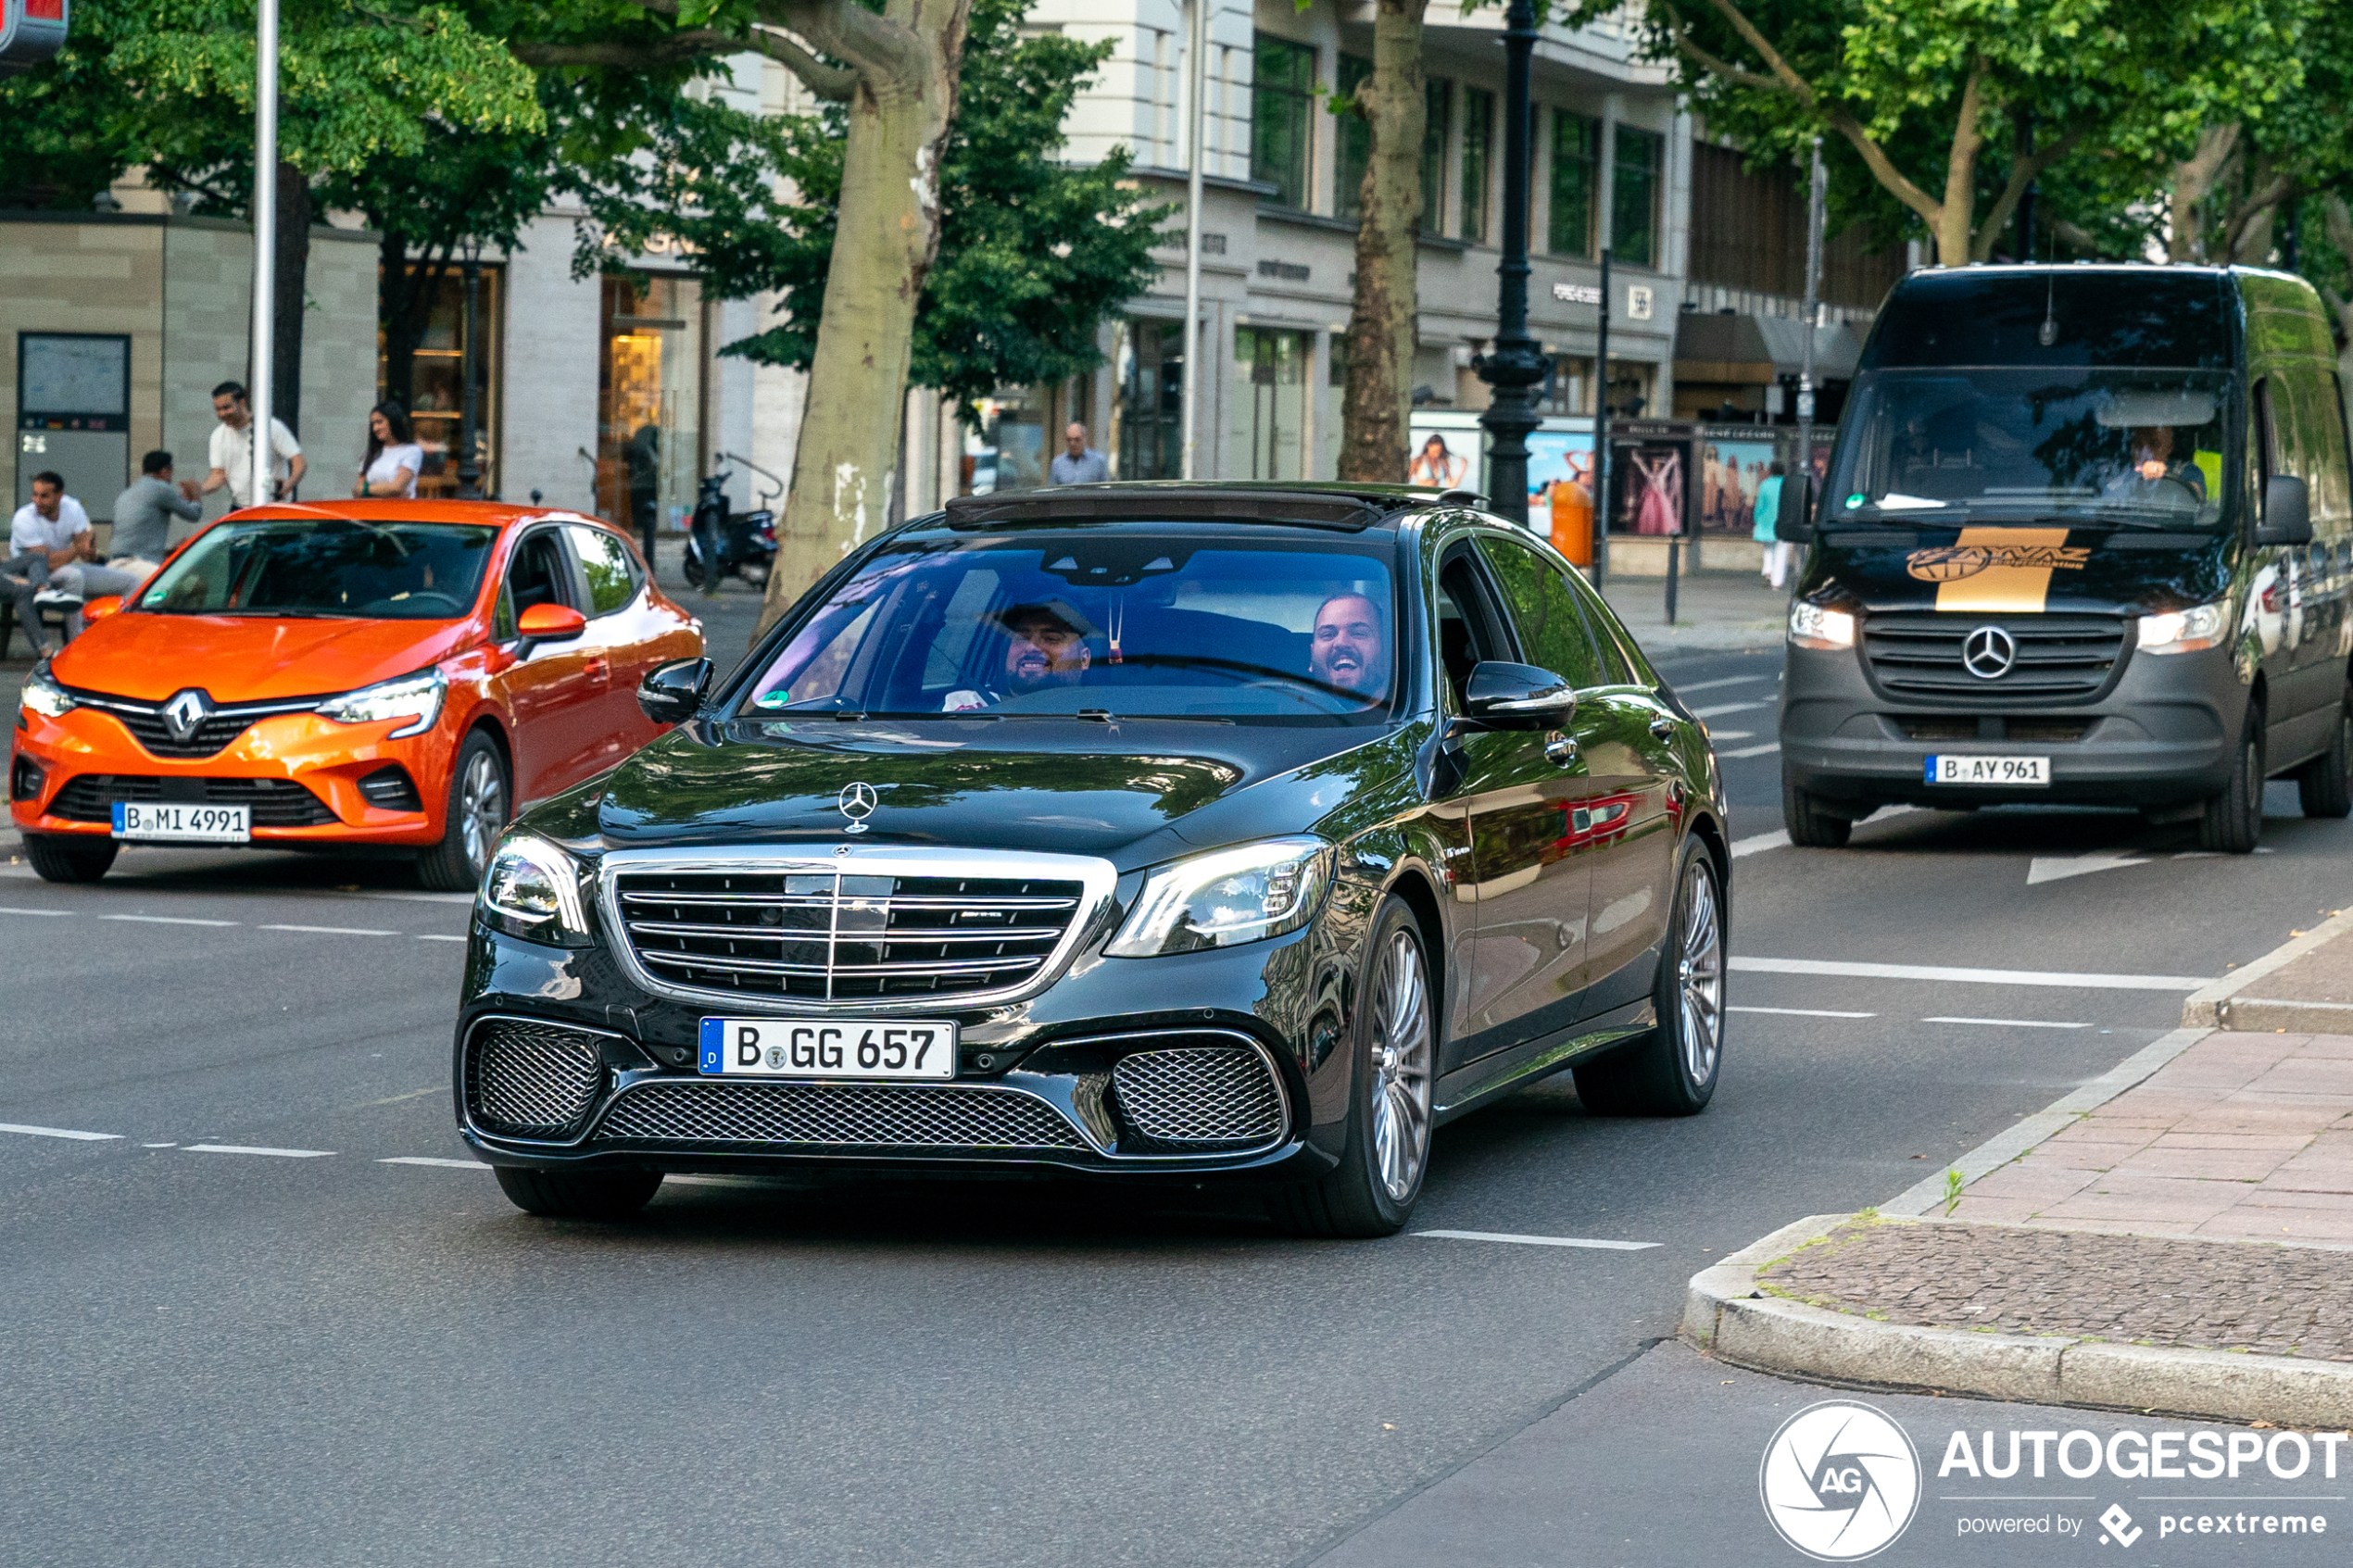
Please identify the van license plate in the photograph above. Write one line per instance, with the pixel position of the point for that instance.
(184, 824)
(832, 1048)
(1999, 771)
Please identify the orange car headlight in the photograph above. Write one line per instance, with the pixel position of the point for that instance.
(414, 697)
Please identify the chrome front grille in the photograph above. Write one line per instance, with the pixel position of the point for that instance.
(823, 934)
(946, 1116)
(2060, 658)
(531, 1080)
(1200, 1096)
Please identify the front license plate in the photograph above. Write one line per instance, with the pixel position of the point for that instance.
(2010, 770)
(184, 824)
(841, 1047)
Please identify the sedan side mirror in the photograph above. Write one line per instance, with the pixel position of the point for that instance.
(547, 623)
(2287, 512)
(99, 609)
(1518, 697)
(1795, 521)
(671, 693)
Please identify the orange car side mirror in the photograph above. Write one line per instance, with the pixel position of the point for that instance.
(545, 623)
(99, 609)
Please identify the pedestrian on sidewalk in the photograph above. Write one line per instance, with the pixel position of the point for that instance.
(1768, 513)
(232, 449)
(394, 458)
(143, 516)
(54, 531)
(1077, 463)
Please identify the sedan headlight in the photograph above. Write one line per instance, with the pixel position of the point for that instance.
(532, 890)
(45, 696)
(1811, 626)
(2186, 631)
(414, 697)
(1227, 897)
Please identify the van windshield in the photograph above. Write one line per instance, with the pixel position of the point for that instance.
(2126, 447)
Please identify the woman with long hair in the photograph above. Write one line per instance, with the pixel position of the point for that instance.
(394, 457)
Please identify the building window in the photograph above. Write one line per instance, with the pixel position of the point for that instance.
(1642, 155)
(1267, 419)
(1353, 143)
(1148, 435)
(429, 381)
(1479, 130)
(1282, 109)
(1438, 104)
(648, 402)
(1577, 143)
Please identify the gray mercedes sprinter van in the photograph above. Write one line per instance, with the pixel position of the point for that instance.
(2086, 538)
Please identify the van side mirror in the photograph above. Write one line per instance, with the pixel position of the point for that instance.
(1795, 521)
(1518, 697)
(671, 693)
(2287, 512)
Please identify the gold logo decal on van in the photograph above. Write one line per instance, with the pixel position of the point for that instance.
(1997, 569)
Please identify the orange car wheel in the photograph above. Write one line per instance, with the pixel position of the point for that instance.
(58, 857)
(479, 807)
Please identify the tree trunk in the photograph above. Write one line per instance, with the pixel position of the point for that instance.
(2191, 181)
(293, 262)
(885, 236)
(1382, 320)
(1953, 228)
(2338, 219)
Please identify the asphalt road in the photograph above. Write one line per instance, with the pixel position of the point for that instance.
(264, 1319)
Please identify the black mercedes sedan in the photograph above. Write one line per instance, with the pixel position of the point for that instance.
(1126, 831)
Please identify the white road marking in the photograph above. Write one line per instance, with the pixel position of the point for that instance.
(1542, 1240)
(51, 912)
(1724, 708)
(1986, 977)
(1804, 1012)
(1776, 839)
(2057, 867)
(428, 1160)
(249, 1148)
(56, 1133)
(438, 936)
(168, 919)
(1753, 750)
(158, 1146)
(2010, 1023)
(1726, 681)
(334, 930)
(1731, 734)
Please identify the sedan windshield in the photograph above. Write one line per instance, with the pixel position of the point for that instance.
(1180, 622)
(2126, 447)
(327, 567)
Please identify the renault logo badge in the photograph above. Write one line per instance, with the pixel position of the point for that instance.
(1988, 653)
(184, 714)
(857, 802)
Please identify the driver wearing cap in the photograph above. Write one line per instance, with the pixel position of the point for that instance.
(1045, 647)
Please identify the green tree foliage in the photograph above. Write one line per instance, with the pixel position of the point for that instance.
(1032, 256)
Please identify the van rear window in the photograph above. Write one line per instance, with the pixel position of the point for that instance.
(2099, 317)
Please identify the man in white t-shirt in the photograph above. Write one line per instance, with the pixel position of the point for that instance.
(52, 533)
(232, 449)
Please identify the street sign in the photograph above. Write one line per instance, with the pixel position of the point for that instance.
(32, 31)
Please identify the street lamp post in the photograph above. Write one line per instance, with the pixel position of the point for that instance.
(265, 248)
(1518, 364)
(468, 430)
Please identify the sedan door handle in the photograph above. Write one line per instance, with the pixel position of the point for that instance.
(1561, 751)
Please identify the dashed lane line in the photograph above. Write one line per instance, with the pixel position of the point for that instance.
(56, 1133)
(1986, 977)
(169, 919)
(437, 936)
(2008, 1023)
(252, 1148)
(5, 909)
(1723, 681)
(332, 929)
(190, 920)
(1768, 747)
(1542, 1240)
(429, 1159)
(1804, 1012)
(1778, 838)
(1712, 710)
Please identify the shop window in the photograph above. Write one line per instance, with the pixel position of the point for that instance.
(1352, 143)
(1021, 432)
(1438, 104)
(649, 403)
(1479, 158)
(1634, 189)
(1267, 422)
(434, 393)
(1148, 440)
(1575, 170)
(1282, 109)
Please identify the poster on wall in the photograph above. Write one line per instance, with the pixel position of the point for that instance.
(1650, 484)
(1445, 452)
(1560, 487)
(1732, 463)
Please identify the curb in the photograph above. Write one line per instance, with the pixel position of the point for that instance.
(2218, 1006)
(1726, 1315)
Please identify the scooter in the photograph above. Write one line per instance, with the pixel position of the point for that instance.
(744, 543)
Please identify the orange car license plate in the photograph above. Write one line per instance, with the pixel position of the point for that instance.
(183, 825)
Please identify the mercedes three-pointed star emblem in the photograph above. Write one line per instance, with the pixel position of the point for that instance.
(858, 801)
(1988, 653)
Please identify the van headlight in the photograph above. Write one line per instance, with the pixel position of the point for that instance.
(532, 890)
(1811, 626)
(2187, 630)
(1227, 897)
(45, 696)
(414, 697)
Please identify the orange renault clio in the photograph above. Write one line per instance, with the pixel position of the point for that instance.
(389, 673)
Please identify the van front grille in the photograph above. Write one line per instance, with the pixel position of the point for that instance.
(2060, 659)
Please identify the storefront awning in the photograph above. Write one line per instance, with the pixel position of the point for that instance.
(1758, 350)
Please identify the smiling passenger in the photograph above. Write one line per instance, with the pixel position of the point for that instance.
(1349, 650)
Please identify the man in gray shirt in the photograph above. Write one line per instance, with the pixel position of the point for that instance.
(1077, 463)
(143, 516)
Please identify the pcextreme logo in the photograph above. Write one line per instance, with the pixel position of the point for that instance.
(1840, 1481)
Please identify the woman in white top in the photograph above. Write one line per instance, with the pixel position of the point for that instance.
(393, 460)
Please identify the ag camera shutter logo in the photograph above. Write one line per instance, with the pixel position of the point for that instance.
(1840, 1481)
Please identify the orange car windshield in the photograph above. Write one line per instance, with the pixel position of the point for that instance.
(304, 567)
